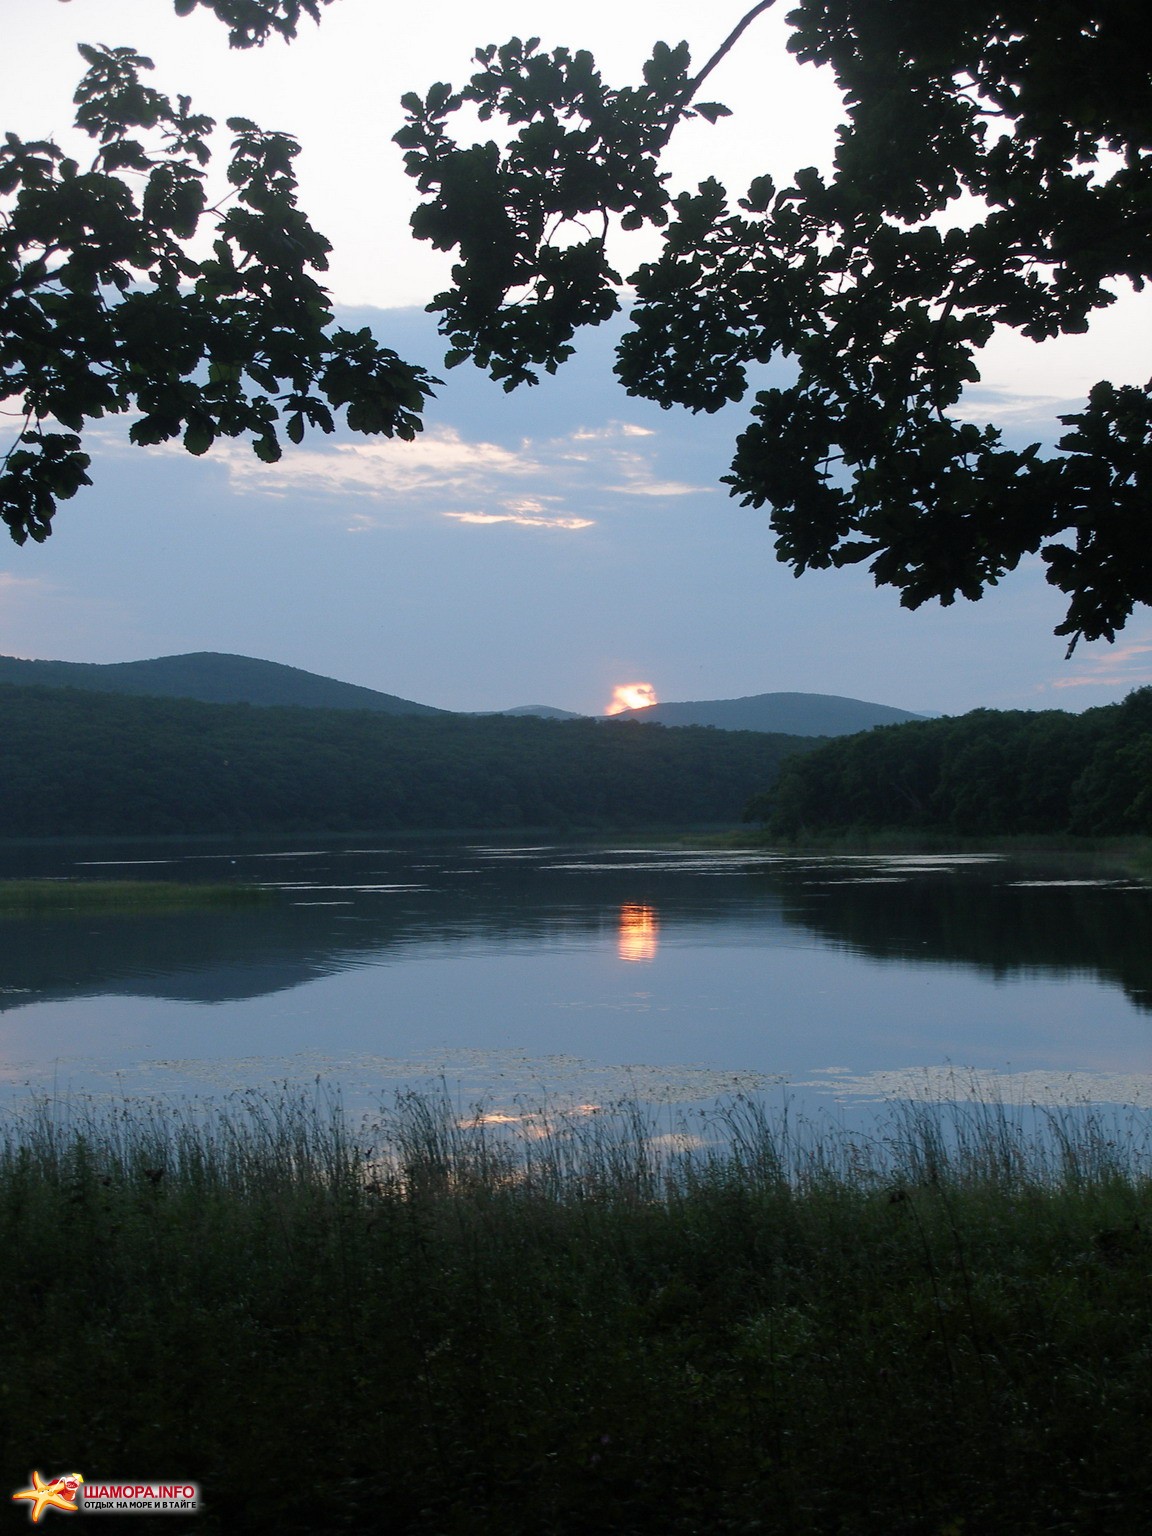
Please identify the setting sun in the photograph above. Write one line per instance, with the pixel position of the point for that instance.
(631, 696)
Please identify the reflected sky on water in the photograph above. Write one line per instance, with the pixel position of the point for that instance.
(584, 971)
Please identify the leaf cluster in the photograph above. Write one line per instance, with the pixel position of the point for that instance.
(105, 307)
(530, 219)
(878, 284)
(251, 22)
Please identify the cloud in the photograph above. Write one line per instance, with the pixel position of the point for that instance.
(1016, 410)
(640, 479)
(42, 619)
(360, 522)
(525, 520)
(613, 429)
(567, 482)
(1121, 665)
(529, 505)
(658, 488)
(438, 460)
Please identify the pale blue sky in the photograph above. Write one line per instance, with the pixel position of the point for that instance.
(540, 547)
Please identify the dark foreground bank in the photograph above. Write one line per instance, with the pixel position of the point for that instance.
(441, 1329)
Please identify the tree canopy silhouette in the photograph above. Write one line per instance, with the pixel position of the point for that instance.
(994, 169)
(877, 283)
(105, 309)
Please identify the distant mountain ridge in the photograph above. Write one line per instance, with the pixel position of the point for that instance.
(218, 677)
(789, 714)
(211, 677)
(542, 712)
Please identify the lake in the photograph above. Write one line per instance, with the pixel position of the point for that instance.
(583, 973)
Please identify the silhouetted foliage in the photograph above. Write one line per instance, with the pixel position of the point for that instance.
(252, 22)
(105, 309)
(1037, 118)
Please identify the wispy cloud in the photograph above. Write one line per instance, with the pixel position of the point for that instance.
(1016, 410)
(643, 487)
(439, 460)
(567, 482)
(18, 599)
(525, 520)
(360, 522)
(613, 429)
(1121, 666)
(41, 618)
(638, 477)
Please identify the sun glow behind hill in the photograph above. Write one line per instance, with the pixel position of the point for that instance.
(631, 696)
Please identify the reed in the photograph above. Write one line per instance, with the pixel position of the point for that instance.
(562, 1321)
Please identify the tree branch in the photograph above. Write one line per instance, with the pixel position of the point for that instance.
(726, 46)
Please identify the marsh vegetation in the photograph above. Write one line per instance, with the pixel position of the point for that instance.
(62, 895)
(555, 1323)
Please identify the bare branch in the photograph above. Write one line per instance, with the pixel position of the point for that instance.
(727, 45)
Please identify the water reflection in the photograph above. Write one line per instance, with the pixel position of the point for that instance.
(989, 916)
(343, 909)
(638, 936)
(682, 973)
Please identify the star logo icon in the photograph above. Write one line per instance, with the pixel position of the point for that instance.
(60, 1493)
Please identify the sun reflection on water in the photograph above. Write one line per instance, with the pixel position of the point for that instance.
(638, 932)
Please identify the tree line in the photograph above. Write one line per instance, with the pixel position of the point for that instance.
(987, 772)
(74, 763)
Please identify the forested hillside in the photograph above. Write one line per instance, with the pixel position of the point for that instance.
(990, 771)
(78, 763)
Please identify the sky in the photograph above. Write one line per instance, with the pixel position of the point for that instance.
(547, 546)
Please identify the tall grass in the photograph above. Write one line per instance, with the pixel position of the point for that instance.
(557, 1322)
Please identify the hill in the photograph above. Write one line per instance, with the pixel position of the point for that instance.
(215, 677)
(542, 711)
(793, 714)
(78, 763)
(211, 677)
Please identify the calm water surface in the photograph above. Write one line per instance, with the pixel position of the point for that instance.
(583, 973)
